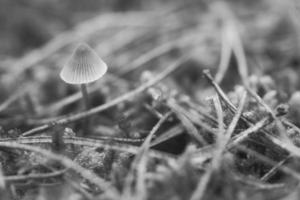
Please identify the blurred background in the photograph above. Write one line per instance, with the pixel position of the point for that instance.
(38, 36)
(29, 24)
(132, 36)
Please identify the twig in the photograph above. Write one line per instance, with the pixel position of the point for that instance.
(91, 142)
(152, 110)
(219, 90)
(119, 139)
(112, 103)
(14, 178)
(272, 171)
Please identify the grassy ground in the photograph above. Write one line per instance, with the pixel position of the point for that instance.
(201, 101)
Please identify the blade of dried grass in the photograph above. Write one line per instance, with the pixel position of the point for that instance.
(284, 145)
(244, 134)
(158, 51)
(257, 184)
(203, 183)
(207, 152)
(274, 169)
(267, 160)
(197, 120)
(226, 52)
(14, 97)
(186, 122)
(242, 67)
(142, 159)
(201, 111)
(236, 118)
(140, 162)
(238, 51)
(14, 178)
(170, 133)
(220, 117)
(218, 89)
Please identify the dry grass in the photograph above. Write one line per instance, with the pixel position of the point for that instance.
(196, 105)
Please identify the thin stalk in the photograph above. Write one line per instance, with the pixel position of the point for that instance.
(85, 97)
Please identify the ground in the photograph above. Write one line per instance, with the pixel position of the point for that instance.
(201, 100)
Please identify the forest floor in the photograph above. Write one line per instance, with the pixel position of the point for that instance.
(201, 101)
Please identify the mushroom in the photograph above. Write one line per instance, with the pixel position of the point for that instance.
(83, 67)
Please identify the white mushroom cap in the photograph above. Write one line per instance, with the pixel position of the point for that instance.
(84, 66)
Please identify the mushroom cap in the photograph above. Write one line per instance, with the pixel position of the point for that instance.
(84, 66)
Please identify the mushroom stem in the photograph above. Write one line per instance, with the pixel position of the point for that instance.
(85, 96)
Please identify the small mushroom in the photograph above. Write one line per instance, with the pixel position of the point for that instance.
(83, 67)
